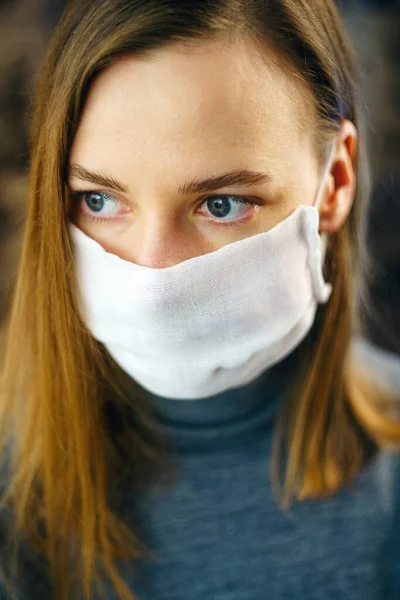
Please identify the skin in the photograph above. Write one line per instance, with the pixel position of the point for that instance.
(191, 113)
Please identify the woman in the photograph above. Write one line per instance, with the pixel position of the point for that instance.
(179, 347)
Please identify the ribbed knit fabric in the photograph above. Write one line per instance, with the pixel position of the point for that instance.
(218, 533)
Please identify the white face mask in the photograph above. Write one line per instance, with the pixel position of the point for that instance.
(210, 323)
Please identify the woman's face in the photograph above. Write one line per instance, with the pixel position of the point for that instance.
(192, 149)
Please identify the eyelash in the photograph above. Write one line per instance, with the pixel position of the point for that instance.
(239, 199)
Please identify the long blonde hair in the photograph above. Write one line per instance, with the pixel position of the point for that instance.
(62, 398)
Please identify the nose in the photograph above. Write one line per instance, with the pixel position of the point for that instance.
(164, 243)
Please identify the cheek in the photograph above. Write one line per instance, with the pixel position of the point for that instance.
(108, 236)
(287, 202)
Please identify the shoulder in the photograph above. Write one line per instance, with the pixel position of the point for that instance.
(383, 365)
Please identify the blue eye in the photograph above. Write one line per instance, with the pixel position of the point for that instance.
(96, 201)
(221, 206)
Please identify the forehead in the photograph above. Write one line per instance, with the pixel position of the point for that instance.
(193, 101)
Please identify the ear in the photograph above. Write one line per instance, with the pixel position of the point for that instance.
(340, 187)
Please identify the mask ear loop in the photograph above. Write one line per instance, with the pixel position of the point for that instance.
(317, 243)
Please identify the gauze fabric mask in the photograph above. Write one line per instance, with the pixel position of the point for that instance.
(209, 323)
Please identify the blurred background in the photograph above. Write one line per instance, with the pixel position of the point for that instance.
(374, 26)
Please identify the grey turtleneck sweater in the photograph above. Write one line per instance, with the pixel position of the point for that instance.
(218, 533)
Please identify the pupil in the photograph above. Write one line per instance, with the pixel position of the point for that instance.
(94, 202)
(222, 206)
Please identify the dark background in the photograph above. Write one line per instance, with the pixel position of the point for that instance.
(374, 27)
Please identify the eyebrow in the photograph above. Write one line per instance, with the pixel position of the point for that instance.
(77, 172)
(244, 178)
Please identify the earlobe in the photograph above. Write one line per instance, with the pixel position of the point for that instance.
(340, 187)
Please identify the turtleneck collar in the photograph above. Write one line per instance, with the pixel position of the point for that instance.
(230, 418)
